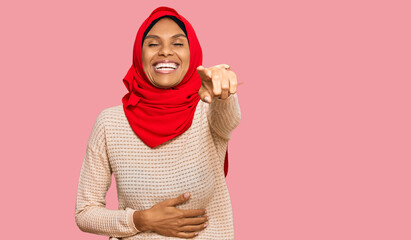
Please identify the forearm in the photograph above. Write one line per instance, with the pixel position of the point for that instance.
(103, 221)
(224, 115)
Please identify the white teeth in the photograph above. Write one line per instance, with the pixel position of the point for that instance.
(166, 65)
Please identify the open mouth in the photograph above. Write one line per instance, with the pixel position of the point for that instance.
(165, 67)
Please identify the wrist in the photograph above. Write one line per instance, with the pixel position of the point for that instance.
(140, 221)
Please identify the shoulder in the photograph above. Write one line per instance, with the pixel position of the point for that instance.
(110, 112)
(104, 119)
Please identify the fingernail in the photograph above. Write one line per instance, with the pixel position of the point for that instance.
(186, 195)
(196, 233)
(207, 99)
(205, 225)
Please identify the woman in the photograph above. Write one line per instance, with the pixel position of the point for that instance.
(166, 148)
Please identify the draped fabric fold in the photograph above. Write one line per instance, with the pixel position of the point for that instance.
(157, 115)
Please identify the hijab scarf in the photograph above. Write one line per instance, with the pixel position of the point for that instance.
(157, 115)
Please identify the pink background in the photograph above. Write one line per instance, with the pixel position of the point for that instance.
(323, 148)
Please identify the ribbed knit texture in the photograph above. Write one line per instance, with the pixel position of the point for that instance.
(191, 162)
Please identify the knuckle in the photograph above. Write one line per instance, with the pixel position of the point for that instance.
(186, 236)
(233, 76)
(180, 222)
(180, 215)
(183, 235)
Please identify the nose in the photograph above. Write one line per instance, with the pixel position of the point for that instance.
(165, 50)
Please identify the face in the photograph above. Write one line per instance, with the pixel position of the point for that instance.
(166, 54)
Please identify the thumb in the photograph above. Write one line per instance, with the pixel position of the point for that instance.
(180, 199)
(205, 95)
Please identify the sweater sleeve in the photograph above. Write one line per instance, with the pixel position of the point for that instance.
(224, 115)
(91, 215)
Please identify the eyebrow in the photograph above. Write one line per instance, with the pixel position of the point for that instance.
(175, 36)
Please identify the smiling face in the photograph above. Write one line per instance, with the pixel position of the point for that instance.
(166, 54)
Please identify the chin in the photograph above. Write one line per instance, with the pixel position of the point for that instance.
(166, 84)
(158, 85)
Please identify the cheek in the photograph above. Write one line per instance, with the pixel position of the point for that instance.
(146, 57)
(186, 58)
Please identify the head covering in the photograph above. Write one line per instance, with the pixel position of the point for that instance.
(179, 23)
(157, 115)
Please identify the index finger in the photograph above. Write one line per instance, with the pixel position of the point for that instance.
(193, 212)
(223, 66)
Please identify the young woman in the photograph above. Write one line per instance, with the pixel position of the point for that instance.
(166, 144)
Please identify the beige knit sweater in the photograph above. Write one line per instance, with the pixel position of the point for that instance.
(191, 162)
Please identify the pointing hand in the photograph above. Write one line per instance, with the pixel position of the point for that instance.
(217, 82)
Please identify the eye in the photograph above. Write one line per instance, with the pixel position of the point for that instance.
(152, 44)
(178, 44)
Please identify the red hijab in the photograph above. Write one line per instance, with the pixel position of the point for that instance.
(158, 115)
